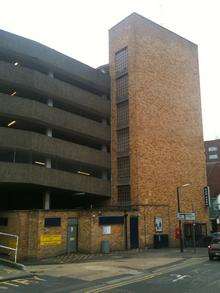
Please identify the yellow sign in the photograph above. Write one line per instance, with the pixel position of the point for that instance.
(50, 240)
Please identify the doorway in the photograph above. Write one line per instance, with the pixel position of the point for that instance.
(72, 235)
(134, 237)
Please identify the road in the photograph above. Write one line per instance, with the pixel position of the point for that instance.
(191, 276)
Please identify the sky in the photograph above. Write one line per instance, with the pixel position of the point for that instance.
(79, 28)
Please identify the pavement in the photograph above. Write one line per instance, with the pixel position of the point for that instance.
(82, 257)
(10, 273)
(109, 272)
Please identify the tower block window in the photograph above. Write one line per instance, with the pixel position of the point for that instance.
(121, 61)
(123, 140)
(122, 87)
(123, 169)
(124, 196)
(122, 114)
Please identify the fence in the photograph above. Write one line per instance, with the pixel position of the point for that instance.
(13, 249)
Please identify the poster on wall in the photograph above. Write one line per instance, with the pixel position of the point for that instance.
(106, 230)
(48, 240)
(158, 224)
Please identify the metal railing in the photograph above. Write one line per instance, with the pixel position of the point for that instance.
(13, 249)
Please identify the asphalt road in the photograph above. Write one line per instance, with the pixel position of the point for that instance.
(192, 276)
(199, 278)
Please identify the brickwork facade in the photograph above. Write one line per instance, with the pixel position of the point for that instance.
(165, 123)
(30, 227)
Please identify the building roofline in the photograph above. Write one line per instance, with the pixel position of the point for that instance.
(92, 77)
(212, 140)
(135, 14)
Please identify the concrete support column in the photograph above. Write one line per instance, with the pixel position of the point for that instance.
(47, 200)
(104, 149)
(50, 102)
(48, 163)
(104, 175)
(49, 132)
(51, 74)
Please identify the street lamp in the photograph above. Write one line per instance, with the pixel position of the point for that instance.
(178, 208)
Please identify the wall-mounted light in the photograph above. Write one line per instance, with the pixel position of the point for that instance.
(83, 173)
(16, 63)
(79, 193)
(11, 123)
(39, 163)
(14, 93)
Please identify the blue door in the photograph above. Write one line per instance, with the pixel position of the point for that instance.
(134, 237)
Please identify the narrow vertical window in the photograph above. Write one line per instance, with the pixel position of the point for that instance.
(121, 61)
(123, 140)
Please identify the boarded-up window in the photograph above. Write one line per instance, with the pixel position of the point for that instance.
(123, 140)
(122, 113)
(122, 87)
(52, 222)
(124, 197)
(123, 169)
(121, 61)
(3, 221)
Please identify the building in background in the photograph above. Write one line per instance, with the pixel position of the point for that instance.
(55, 165)
(212, 150)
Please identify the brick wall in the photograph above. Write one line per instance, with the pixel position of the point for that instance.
(29, 226)
(165, 121)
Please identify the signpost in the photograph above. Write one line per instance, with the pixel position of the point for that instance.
(186, 216)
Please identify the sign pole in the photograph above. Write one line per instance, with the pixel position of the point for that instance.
(180, 226)
(194, 230)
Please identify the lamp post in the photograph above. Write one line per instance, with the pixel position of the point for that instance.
(178, 208)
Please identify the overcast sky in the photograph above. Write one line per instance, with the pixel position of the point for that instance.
(79, 28)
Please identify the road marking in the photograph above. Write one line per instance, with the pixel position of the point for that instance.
(179, 277)
(121, 279)
(157, 273)
(39, 279)
(23, 281)
(9, 284)
(120, 284)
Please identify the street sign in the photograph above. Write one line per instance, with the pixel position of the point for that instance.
(186, 216)
(206, 193)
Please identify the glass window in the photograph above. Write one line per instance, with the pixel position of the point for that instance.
(124, 196)
(122, 113)
(216, 240)
(213, 149)
(123, 168)
(213, 157)
(122, 87)
(121, 61)
(123, 140)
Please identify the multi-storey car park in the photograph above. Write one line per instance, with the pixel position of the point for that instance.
(60, 190)
(55, 133)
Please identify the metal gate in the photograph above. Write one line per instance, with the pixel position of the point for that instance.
(13, 248)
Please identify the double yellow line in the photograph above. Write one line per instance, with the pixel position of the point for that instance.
(146, 277)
